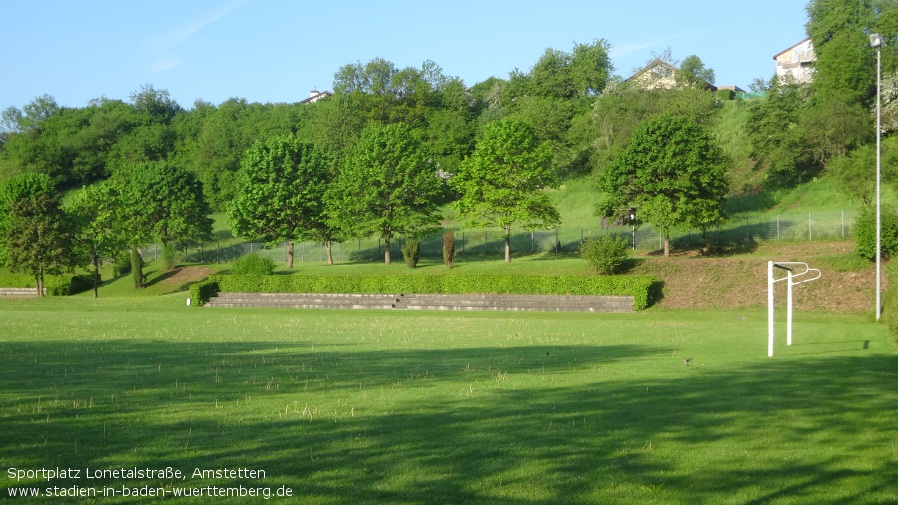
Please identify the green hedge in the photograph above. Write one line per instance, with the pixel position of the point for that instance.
(202, 291)
(642, 288)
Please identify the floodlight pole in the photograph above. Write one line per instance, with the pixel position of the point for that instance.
(876, 41)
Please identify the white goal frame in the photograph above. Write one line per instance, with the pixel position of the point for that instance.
(792, 278)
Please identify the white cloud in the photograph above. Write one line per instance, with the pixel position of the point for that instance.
(160, 49)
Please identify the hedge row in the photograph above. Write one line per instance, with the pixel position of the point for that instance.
(642, 288)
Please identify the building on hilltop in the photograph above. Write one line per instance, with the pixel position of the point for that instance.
(660, 75)
(797, 62)
(316, 95)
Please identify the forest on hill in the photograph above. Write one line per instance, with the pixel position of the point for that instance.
(580, 119)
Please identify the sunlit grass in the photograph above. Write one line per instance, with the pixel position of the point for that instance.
(383, 407)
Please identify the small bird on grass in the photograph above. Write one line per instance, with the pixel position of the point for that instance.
(686, 361)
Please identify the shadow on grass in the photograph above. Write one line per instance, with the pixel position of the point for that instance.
(461, 425)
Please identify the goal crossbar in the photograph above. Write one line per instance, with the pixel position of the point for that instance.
(797, 272)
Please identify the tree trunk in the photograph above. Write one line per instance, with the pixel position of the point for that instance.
(387, 249)
(667, 246)
(40, 281)
(508, 244)
(330, 255)
(289, 254)
(96, 262)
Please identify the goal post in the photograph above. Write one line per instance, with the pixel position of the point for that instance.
(797, 272)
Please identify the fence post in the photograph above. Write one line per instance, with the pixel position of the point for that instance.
(777, 227)
(531, 241)
(463, 241)
(843, 225)
(557, 243)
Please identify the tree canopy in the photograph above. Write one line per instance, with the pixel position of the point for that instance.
(673, 173)
(504, 180)
(387, 187)
(280, 193)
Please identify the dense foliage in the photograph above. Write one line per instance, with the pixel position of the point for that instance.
(252, 264)
(672, 173)
(503, 182)
(280, 193)
(605, 255)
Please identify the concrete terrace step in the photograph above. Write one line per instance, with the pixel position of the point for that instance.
(566, 303)
(19, 292)
(304, 300)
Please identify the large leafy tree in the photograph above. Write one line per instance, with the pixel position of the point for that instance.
(503, 182)
(97, 225)
(280, 194)
(35, 236)
(673, 173)
(163, 202)
(387, 187)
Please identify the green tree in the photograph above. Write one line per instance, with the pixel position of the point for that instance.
(673, 173)
(386, 186)
(777, 135)
(161, 202)
(503, 182)
(693, 73)
(96, 214)
(853, 171)
(280, 193)
(35, 233)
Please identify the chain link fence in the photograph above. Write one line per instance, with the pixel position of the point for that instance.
(838, 225)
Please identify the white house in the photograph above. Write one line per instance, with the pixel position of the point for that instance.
(797, 62)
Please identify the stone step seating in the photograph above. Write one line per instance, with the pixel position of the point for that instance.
(550, 303)
(304, 300)
(556, 303)
(19, 292)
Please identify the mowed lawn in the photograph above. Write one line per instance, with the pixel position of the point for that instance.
(434, 407)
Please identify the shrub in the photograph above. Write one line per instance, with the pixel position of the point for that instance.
(122, 265)
(605, 254)
(449, 248)
(252, 264)
(137, 265)
(81, 283)
(411, 252)
(170, 256)
(726, 94)
(865, 233)
(202, 291)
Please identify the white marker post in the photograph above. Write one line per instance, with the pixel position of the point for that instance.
(791, 280)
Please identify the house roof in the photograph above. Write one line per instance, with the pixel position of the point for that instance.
(315, 96)
(654, 63)
(661, 63)
(775, 56)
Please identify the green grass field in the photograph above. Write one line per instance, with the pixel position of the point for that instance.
(415, 408)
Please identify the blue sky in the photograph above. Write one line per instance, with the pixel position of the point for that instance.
(277, 50)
